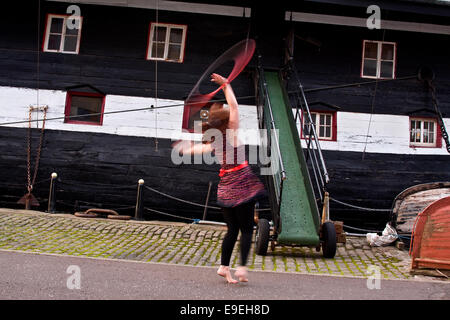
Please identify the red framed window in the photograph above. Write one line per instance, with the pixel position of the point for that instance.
(62, 34)
(424, 132)
(166, 42)
(325, 124)
(84, 108)
(378, 59)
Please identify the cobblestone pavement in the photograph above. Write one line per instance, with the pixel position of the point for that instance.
(183, 244)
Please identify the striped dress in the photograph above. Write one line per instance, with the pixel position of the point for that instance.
(239, 186)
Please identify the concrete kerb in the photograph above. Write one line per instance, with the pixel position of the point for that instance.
(215, 267)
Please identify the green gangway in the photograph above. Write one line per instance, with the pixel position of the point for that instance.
(298, 211)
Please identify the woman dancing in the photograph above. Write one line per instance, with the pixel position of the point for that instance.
(239, 187)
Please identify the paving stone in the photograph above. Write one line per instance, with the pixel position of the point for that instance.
(184, 244)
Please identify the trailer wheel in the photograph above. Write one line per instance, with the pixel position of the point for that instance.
(262, 237)
(329, 240)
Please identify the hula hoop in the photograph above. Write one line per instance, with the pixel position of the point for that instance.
(241, 53)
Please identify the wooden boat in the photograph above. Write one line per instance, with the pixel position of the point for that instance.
(411, 202)
(430, 247)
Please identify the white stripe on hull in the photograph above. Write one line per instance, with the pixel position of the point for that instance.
(387, 134)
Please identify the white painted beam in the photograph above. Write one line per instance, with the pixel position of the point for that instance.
(361, 22)
(388, 133)
(165, 5)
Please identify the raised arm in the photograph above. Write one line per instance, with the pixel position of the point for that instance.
(189, 147)
(231, 100)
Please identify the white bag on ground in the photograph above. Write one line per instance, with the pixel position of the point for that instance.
(388, 236)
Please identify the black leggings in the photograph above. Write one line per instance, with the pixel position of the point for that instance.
(238, 218)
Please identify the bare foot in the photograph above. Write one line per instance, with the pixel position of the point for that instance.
(242, 274)
(225, 272)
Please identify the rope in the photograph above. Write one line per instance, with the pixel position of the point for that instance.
(20, 185)
(373, 104)
(358, 207)
(355, 84)
(112, 112)
(359, 229)
(168, 214)
(193, 203)
(181, 200)
(98, 205)
(156, 76)
(98, 185)
(375, 231)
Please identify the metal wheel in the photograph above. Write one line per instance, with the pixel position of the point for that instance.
(329, 240)
(262, 237)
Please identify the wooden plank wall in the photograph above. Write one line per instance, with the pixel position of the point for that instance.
(113, 51)
(337, 61)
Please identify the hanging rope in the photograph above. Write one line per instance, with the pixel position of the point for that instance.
(156, 78)
(372, 107)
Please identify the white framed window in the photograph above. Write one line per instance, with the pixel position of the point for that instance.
(378, 59)
(63, 34)
(423, 132)
(324, 123)
(166, 42)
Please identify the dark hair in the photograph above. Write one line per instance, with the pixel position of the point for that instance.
(218, 117)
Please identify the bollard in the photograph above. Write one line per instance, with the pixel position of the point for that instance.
(207, 200)
(52, 196)
(139, 199)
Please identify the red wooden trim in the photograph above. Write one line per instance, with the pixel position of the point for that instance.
(428, 249)
(69, 95)
(438, 135)
(334, 127)
(333, 124)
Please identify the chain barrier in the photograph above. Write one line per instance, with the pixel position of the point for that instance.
(31, 181)
(98, 185)
(181, 200)
(193, 203)
(358, 207)
(440, 118)
(168, 214)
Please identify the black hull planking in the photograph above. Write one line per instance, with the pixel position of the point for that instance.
(102, 170)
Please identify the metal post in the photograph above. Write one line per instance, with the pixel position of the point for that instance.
(27, 201)
(140, 190)
(326, 208)
(52, 195)
(207, 200)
